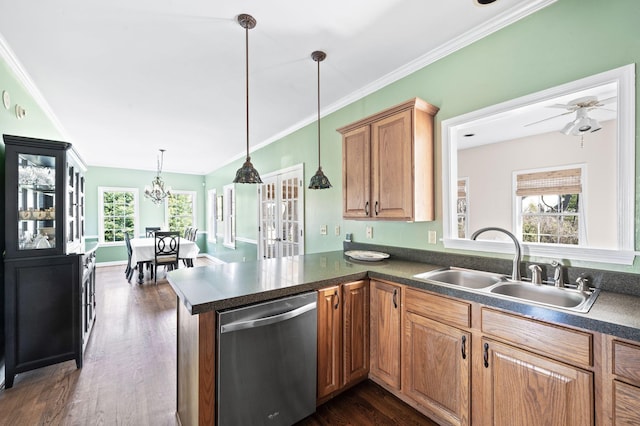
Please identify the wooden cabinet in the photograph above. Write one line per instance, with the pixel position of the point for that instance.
(535, 377)
(522, 388)
(44, 236)
(386, 333)
(343, 337)
(624, 384)
(436, 370)
(387, 164)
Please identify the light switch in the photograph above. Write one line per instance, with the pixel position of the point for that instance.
(337, 230)
(433, 237)
(369, 230)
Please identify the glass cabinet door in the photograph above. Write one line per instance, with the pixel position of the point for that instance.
(36, 202)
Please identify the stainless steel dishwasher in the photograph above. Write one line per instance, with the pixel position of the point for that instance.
(266, 362)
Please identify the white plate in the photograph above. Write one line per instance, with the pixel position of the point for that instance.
(370, 256)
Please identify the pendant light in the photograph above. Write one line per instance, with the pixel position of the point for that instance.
(247, 173)
(319, 180)
(157, 192)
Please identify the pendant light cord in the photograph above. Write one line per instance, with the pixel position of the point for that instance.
(246, 31)
(319, 114)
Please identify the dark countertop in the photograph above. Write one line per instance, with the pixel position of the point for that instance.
(224, 286)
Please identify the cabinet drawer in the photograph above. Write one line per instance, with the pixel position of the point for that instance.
(449, 311)
(626, 361)
(572, 346)
(625, 399)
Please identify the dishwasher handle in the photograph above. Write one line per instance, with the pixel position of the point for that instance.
(261, 322)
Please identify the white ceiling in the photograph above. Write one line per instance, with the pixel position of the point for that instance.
(124, 78)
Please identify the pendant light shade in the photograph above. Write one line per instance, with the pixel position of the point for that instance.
(319, 180)
(247, 173)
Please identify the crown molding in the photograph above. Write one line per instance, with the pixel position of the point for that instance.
(25, 79)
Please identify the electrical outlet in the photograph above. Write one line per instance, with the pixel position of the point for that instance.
(323, 230)
(369, 230)
(337, 230)
(433, 237)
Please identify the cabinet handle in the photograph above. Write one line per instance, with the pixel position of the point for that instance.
(464, 347)
(376, 208)
(486, 355)
(395, 298)
(337, 296)
(366, 208)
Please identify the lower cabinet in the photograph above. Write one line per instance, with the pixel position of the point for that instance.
(88, 297)
(42, 313)
(436, 357)
(386, 333)
(625, 383)
(436, 368)
(523, 388)
(343, 337)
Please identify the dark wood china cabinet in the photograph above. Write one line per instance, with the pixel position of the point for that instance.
(49, 271)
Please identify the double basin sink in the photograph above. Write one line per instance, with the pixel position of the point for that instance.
(500, 286)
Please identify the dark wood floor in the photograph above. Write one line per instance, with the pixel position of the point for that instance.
(129, 376)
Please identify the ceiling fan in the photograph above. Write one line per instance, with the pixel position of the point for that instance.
(582, 123)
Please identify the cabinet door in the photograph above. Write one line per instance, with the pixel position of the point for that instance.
(521, 388)
(392, 167)
(385, 333)
(329, 340)
(436, 371)
(356, 174)
(625, 404)
(355, 328)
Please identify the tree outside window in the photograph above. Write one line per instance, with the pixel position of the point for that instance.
(118, 210)
(181, 207)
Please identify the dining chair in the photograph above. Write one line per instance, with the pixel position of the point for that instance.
(167, 248)
(190, 234)
(149, 231)
(128, 272)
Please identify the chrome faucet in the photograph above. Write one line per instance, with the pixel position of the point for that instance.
(515, 271)
(536, 274)
(582, 282)
(557, 274)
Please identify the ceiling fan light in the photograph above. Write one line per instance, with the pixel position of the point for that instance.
(568, 129)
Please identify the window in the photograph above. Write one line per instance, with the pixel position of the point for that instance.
(229, 216)
(212, 216)
(462, 207)
(549, 206)
(181, 210)
(117, 214)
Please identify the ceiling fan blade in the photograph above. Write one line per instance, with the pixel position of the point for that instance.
(607, 101)
(549, 118)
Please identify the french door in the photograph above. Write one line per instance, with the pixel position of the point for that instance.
(281, 228)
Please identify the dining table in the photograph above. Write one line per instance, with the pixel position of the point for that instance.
(143, 251)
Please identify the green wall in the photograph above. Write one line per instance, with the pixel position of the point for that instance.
(568, 40)
(150, 214)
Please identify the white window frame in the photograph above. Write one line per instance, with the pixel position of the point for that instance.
(212, 216)
(194, 202)
(136, 214)
(229, 206)
(517, 203)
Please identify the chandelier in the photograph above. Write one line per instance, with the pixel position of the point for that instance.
(157, 192)
(247, 173)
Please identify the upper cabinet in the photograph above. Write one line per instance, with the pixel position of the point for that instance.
(44, 198)
(387, 164)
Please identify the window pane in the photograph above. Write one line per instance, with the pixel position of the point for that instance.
(118, 215)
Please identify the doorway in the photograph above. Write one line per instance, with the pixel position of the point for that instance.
(281, 226)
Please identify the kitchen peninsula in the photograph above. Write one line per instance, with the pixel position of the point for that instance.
(586, 340)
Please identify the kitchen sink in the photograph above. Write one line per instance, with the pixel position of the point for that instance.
(500, 286)
(548, 295)
(462, 277)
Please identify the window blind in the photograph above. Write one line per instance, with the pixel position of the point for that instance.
(553, 182)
